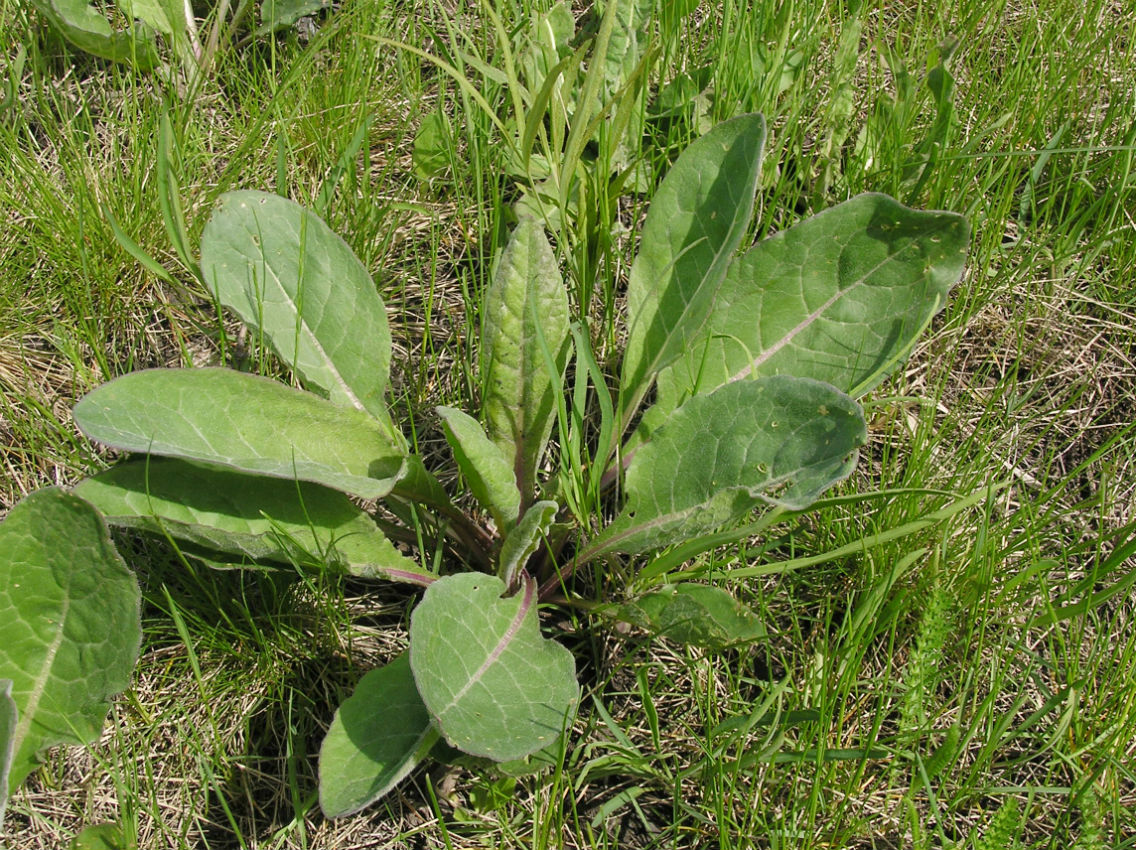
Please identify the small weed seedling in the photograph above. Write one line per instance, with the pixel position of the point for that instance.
(751, 363)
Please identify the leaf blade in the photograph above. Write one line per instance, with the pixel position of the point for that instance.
(486, 469)
(494, 686)
(244, 422)
(70, 626)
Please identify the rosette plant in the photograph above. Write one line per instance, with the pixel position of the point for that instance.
(736, 397)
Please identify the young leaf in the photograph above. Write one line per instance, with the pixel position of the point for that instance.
(779, 440)
(695, 614)
(695, 223)
(262, 519)
(9, 717)
(525, 539)
(245, 422)
(488, 472)
(379, 734)
(839, 297)
(526, 301)
(492, 684)
(70, 627)
(287, 274)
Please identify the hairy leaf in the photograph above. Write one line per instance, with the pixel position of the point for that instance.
(493, 685)
(379, 734)
(70, 627)
(526, 327)
(487, 470)
(287, 274)
(88, 29)
(694, 225)
(244, 422)
(779, 440)
(695, 614)
(9, 717)
(259, 518)
(840, 298)
(525, 539)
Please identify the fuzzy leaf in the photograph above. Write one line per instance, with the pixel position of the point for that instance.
(695, 223)
(488, 472)
(70, 627)
(694, 614)
(244, 422)
(839, 297)
(286, 273)
(88, 29)
(259, 518)
(778, 440)
(526, 301)
(523, 540)
(9, 717)
(492, 684)
(379, 734)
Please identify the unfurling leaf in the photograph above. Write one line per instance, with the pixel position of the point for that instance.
(493, 685)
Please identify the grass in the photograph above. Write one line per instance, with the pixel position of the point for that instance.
(986, 663)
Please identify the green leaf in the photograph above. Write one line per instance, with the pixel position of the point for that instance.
(288, 275)
(840, 297)
(493, 685)
(89, 30)
(276, 15)
(695, 223)
(695, 614)
(525, 539)
(379, 734)
(244, 422)
(487, 470)
(262, 519)
(69, 624)
(103, 836)
(524, 351)
(9, 717)
(777, 440)
(431, 154)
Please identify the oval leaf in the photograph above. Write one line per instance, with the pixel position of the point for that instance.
(778, 440)
(493, 685)
(487, 471)
(379, 734)
(69, 623)
(88, 29)
(524, 350)
(287, 274)
(695, 223)
(245, 422)
(840, 297)
(262, 519)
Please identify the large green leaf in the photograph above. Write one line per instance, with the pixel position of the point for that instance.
(493, 685)
(69, 624)
(377, 737)
(487, 470)
(777, 440)
(840, 298)
(88, 29)
(695, 223)
(524, 350)
(259, 518)
(286, 273)
(245, 422)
